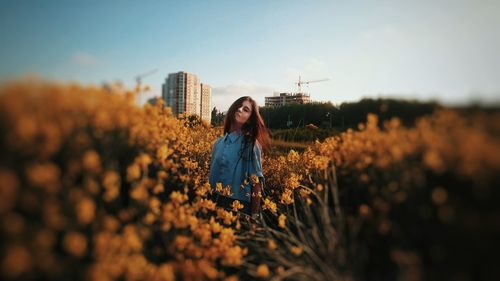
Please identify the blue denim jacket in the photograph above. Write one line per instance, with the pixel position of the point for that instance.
(230, 165)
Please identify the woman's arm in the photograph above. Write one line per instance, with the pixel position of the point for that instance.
(213, 168)
(256, 171)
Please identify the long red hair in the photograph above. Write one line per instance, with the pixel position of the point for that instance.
(255, 129)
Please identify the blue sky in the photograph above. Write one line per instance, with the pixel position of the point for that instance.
(443, 50)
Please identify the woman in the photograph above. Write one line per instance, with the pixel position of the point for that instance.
(236, 157)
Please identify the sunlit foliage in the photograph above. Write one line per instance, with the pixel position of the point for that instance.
(93, 187)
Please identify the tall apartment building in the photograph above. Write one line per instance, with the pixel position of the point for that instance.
(206, 102)
(183, 93)
(287, 98)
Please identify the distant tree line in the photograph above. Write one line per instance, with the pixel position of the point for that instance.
(304, 134)
(217, 117)
(347, 115)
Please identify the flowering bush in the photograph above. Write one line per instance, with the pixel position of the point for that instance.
(94, 187)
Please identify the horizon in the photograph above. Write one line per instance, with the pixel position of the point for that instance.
(443, 51)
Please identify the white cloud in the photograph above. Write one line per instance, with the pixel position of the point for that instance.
(223, 97)
(84, 59)
(378, 34)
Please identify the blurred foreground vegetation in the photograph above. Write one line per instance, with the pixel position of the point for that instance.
(94, 188)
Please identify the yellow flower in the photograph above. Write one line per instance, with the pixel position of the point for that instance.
(75, 244)
(149, 218)
(226, 216)
(304, 192)
(233, 256)
(364, 211)
(133, 172)
(178, 198)
(165, 272)
(203, 190)
(110, 223)
(132, 238)
(282, 221)
(254, 178)
(287, 197)
(269, 205)
(45, 176)
(227, 236)
(161, 175)
(231, 278)
(244, 183)
(91, 161)
(154, 205)
(292, 181)
(208, 269)
(297, 251)
(85, 211)
(372, 121)
(111, 184)
(181, 242)
(293, 156)
(280, 270)
(159, 188)
(215, 227)
(207, 204)
(226, 191)
(263, 271)
(236, 206)
(139, 192)
(17, 260)
(434, 161)
(271, 245)
(144, 160)
(218, 187)
(439, 195)
(26, 128)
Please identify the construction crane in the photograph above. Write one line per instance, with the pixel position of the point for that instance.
(300, 83)
(138, 78)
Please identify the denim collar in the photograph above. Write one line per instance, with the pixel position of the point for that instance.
(233, 136)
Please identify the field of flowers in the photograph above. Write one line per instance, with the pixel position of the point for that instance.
(93, 187)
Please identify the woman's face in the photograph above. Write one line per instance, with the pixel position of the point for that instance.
(243, 113)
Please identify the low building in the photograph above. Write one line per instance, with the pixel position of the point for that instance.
(280, 99)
